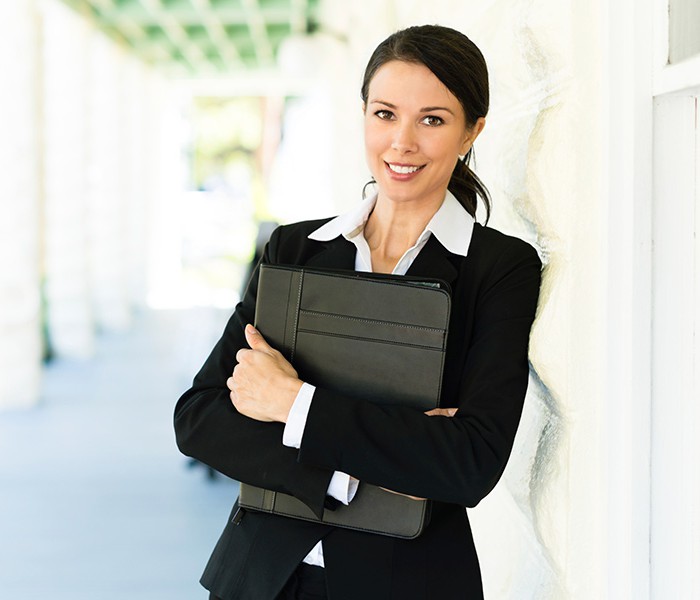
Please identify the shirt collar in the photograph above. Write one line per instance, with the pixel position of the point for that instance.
(451, 225)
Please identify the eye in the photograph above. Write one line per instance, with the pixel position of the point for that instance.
(432, 121)
(385, 115)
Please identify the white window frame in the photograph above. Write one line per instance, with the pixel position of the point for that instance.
(675, 434)
(668, 78)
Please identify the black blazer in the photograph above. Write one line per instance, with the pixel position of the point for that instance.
(454, 461)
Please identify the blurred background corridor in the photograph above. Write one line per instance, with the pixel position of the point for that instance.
(96, 500)
(149, 146)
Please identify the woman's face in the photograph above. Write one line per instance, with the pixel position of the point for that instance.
(415, 130)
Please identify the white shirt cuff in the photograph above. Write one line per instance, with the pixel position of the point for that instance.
(341, 487)
(296, 420)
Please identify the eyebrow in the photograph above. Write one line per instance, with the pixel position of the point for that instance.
(423, 110)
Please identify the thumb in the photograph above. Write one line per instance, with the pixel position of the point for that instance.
(255, 340)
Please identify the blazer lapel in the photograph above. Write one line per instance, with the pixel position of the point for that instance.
(433, 262)
(337, 254)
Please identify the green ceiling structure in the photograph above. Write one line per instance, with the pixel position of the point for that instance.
(202, 37)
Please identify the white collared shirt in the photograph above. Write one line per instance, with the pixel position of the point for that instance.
(452, 226)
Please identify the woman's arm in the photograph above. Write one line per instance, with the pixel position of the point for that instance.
(210, 429)
(456, 459)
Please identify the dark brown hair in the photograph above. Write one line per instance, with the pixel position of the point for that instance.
(457, 62)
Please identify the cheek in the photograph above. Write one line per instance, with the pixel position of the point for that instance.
(451, 148)
(373, 142)
(445, 155)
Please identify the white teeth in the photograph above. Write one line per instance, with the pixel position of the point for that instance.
(402, 169)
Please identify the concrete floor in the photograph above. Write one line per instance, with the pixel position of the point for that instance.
(95, 500)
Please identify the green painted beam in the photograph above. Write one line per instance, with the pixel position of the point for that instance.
(189, 16)
(200, 36)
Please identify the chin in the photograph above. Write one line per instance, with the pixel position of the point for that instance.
(401, 192)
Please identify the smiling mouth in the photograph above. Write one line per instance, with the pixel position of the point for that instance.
(404, 169)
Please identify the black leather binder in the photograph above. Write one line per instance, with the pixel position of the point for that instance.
(378, 337)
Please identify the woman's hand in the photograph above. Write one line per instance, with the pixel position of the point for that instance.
(263, 385)
(441, 412)
(400, 494)
(435, 412)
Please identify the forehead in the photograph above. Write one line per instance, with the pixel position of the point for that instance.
(401, 82)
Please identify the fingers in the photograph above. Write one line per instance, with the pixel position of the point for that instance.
(442, 412)
(241, 354)
(257, 341)
(400, 494)
(262, 354)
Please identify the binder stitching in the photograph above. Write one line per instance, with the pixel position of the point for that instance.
(296, 315)
(286, 318)
(444, 348)
(367, 339)
(373, 321)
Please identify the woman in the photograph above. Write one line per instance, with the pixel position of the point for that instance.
(425, 98)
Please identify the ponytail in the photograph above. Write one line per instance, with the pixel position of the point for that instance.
(466, 186)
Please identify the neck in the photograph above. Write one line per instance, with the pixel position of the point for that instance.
(393, 227)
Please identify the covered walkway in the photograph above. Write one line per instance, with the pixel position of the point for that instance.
(95, 499)
(144, 140)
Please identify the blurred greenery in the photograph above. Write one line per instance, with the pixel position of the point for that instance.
(226, 130)
(226, 170)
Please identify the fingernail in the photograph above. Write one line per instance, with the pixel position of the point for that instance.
(250, 329)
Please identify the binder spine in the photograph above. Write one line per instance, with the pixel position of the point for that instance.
(277, 325)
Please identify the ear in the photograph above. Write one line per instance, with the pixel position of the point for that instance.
(364, 108)
(472, 134)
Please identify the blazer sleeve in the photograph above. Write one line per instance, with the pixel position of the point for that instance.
(459, 459)
(210, 429)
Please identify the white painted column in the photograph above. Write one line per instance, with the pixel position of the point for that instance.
(65, 56)
(106, 191)
(139, 150)
(20, 319)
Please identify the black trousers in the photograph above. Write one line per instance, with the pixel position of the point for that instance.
(306, 583)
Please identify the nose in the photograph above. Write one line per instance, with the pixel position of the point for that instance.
(404, 138)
